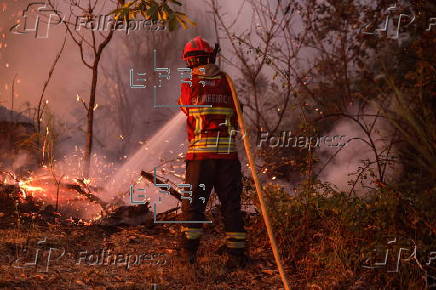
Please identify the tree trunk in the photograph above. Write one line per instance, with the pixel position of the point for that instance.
(90, 120)
(91, 104)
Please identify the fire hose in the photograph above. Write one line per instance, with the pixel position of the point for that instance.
(266, 218)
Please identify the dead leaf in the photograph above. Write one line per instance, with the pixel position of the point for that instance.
(147, 237)
(269, 272)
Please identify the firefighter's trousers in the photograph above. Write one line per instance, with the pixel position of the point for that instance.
(224, 175)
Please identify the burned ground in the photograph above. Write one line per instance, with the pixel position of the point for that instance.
(90, 255)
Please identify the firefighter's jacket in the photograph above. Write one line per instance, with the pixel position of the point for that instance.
(211, 123)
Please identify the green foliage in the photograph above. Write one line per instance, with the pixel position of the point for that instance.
(416, 125)
(385, 87)
(155, 11)
(326, 236)
(406, 99)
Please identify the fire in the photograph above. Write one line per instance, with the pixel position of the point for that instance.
(46, 189)
(26, 187)
(85, 181)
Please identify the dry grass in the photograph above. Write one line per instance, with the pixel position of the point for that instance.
(64, 273)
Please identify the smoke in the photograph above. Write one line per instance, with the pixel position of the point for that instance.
(127, 122)
(343, 169)
(20, 160)
(71, 80)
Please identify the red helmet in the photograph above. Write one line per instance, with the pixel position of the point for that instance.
(196, 47)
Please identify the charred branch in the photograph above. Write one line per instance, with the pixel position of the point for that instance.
(155, 181)
(88, 195)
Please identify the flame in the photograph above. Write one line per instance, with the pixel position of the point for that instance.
(86, 181)
(25, 187)
(43, 187)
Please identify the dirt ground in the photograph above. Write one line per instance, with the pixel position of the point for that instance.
(55, 256)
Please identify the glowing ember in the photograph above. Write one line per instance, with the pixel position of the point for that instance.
(49, 190)
(25, 187)
(85, 181)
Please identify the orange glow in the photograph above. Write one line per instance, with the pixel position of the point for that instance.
(26, 188)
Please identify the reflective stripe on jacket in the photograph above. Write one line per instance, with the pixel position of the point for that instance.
(212, 126)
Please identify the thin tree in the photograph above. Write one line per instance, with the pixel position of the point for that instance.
(268, 43)
(92, 42)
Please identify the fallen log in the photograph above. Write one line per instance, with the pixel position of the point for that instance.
(164, 215)
(90, 187)
(88, 195)
(152, 179)
(9, 194)
(132, 215)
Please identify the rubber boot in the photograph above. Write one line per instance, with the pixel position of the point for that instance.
(188, 250)
(236, 259)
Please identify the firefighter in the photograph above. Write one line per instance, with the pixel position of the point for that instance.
(212, 158)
